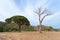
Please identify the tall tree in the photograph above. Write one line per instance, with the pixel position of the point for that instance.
(20, 20)
(40, 13)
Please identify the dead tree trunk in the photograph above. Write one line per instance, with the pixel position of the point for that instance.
(40, 13)
(40, 25)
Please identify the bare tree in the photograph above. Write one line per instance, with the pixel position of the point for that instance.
(40, 12)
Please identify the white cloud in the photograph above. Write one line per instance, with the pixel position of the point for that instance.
(8, 9)
(53, 20)
(53, 16)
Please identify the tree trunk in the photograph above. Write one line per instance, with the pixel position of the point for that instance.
(40, 28)
(19, 28)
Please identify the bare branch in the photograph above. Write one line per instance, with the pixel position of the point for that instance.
(44, 11)
(39, 10)
(44, 17)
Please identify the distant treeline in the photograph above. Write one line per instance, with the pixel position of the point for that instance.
(13, 27)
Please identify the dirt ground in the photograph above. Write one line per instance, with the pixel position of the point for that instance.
(29, 36)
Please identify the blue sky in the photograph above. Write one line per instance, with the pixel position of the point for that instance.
(10, 8)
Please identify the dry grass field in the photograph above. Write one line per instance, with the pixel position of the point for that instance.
(29, 36)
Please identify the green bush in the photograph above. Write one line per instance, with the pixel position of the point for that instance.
(27, 28)
(2, 26)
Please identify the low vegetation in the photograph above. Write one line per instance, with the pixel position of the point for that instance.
(14, 28)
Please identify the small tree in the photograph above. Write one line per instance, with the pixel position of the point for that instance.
(40, 12)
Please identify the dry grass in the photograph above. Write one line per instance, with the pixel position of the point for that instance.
(30, 36)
